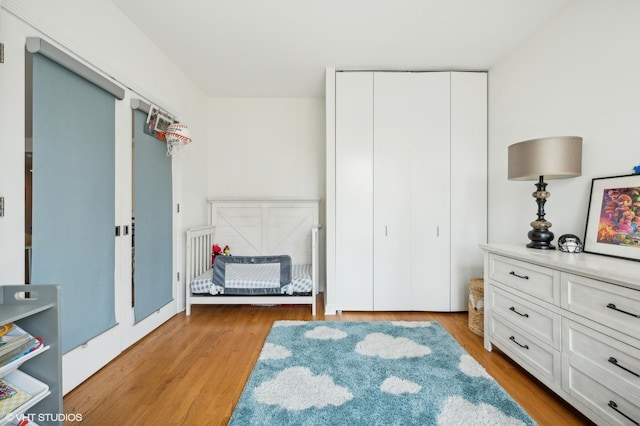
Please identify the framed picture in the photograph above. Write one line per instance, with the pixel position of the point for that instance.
(613, 220)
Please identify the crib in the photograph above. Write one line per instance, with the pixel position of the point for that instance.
(255, 228)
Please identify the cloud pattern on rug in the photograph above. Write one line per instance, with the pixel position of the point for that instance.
(471, 368)
(411, 324)
(288, 323)
(459, 411)
(297, 388)
(271, 351)
(389, 347)
(325, 333)
(397, 386)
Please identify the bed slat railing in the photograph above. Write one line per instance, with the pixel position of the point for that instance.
(314, 256)
(199, 242)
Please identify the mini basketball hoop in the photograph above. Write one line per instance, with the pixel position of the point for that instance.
(177, 136)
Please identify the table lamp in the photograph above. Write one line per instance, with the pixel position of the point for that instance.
(556, 157)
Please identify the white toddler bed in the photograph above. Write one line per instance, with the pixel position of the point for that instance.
(255, 228)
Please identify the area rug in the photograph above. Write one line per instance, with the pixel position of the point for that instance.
(370, 373)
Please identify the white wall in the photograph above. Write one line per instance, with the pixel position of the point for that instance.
(97, 34)
(266, 147)
(578, 75)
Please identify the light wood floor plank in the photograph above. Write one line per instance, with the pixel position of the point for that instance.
(191, 370)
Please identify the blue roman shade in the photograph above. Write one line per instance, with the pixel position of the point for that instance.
(73, 236)
(153, 214)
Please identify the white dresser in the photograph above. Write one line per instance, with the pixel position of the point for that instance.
(572, 321)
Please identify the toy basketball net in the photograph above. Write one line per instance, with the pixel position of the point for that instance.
(177, 136)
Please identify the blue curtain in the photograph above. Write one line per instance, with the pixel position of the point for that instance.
(153, 241)
(74, 198)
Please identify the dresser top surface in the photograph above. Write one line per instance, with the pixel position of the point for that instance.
(617, 271)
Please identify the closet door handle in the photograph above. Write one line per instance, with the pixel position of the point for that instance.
(614, 361)
(614, 406)
(513, 309)
(386, 231)
(513, 339)
(524, 277)
(612, 306)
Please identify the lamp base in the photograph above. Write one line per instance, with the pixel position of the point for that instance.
(540, 235)
(541, 239)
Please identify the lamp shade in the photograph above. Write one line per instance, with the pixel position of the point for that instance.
(556, 157)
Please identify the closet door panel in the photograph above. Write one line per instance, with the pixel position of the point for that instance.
(394, 113)
(469, 181)
(430, 193)
(354, 190)
(411, 200)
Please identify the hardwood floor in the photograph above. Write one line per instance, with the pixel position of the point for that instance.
(191, 370)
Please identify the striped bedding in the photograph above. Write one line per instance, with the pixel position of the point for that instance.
(301, 282)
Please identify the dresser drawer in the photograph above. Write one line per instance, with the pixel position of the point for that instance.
(614, 361)
(526, 316)
(540, 359)
(534, 280)
(611, 305)
(614, 406)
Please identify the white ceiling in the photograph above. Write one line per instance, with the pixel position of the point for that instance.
(280, 48)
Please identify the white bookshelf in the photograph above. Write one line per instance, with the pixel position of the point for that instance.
(35, 308)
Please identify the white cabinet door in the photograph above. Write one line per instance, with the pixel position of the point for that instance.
(354, 191)
(411, 195)
(410, 189)
(468, 181)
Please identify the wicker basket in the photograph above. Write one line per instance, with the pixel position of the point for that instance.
(476, 306)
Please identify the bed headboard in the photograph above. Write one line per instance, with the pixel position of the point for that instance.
(261, 227)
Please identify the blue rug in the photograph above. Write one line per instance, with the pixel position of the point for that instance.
(370, 373)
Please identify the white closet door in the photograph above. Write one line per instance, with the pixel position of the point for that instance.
(395, 104)
(411, 199)
(354, 190)
(431, 195)
(469, 181)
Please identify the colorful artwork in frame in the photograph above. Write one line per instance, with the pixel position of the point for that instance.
(613, 220)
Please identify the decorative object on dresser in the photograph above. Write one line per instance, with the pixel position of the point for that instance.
(370, 373)
(556, 157)
(570, 243)
(613, 221)
(572, 321)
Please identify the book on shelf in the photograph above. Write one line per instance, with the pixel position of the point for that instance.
(11, 397)
(14, 343)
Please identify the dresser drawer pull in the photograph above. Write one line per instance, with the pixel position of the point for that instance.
(615, 407)
(513, 339)
(524, 277)
(513, 309)
(612, 306)
(614, 361)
